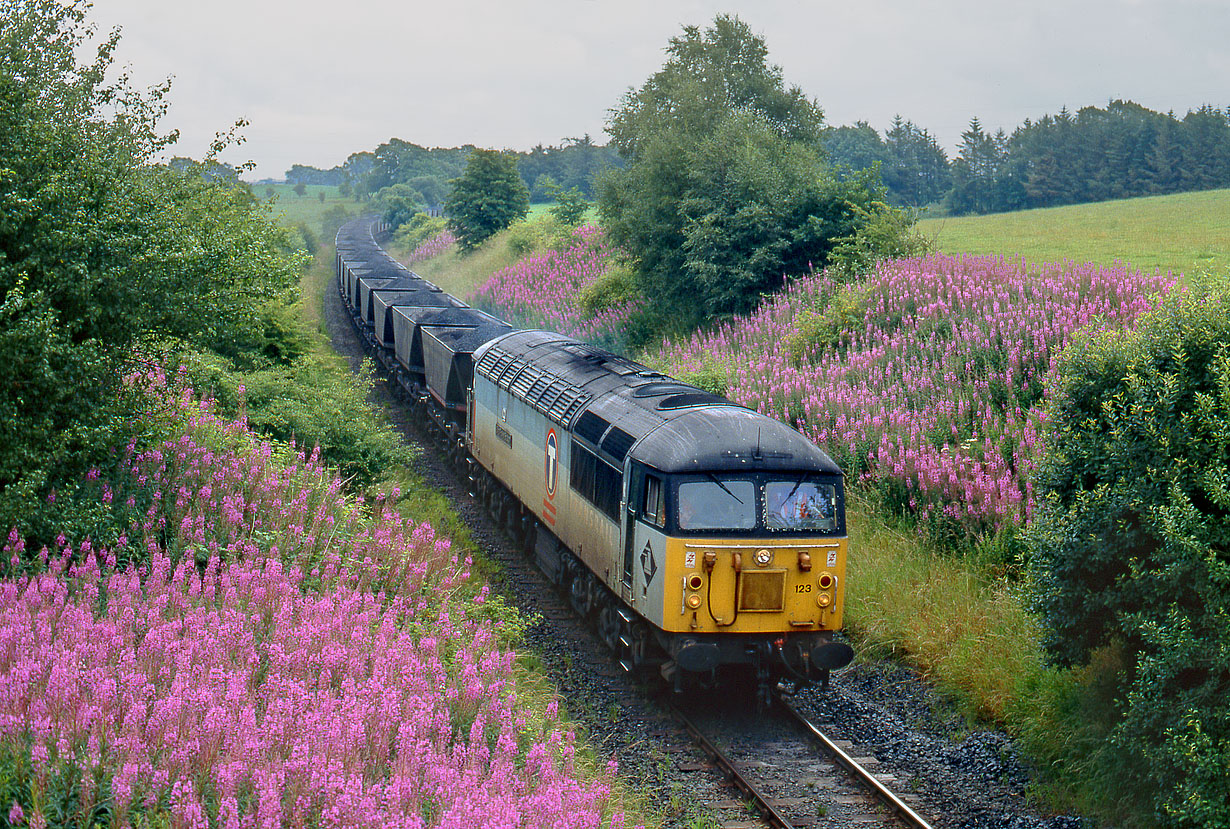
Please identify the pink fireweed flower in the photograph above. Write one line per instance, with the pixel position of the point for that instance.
(244, 676)
(936, 384)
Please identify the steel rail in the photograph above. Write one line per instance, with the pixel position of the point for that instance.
(770, 814)
(901, 809)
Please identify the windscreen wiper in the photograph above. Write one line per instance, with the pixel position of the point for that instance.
(725, 488)
(802, 478)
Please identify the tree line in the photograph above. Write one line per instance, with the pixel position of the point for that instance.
(424, 174)
(1120, 151)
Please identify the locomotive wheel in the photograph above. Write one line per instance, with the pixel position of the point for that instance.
(581, 593)
(511, 522)
(608, 627)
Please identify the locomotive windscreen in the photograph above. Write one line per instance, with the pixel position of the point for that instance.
(726, 504)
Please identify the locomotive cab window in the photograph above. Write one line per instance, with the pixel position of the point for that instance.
(654, 508)
(717, 504)
(801, 504)
(596, 481)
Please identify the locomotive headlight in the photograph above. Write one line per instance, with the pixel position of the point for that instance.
(824, 599)
(764, 558)
(693, 600)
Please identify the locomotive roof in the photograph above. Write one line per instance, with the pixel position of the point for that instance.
(627, 409)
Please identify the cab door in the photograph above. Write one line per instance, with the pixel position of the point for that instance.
(644, 563)
(636, 482)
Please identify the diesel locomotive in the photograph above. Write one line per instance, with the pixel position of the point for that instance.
(698, 535)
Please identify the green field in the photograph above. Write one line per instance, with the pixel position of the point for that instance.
(1186, 233)
(291, 209)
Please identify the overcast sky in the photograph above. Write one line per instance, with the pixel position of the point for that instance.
(318, 81)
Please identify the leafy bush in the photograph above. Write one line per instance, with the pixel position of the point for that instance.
(571, 207)
(418, 230)
(311, 404)
(332, 221)
(276, 337)
(102, 250)
(829, 326)
(885, 233)
(713, 378)
(301, 237)
(615, 288)
(398, 204)
(1131, 542)
(535, 236)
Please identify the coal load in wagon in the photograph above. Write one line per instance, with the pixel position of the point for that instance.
(448, 354)
(408, 322)
(384, 301)
(369, 284)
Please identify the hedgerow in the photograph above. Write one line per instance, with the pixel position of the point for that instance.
(1131, 545)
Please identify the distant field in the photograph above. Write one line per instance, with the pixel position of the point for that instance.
(1185, 233)
(290, 209)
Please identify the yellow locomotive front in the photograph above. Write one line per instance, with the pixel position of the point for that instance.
(756, 554)
(736, 546)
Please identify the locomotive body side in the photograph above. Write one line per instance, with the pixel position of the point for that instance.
(530, 451)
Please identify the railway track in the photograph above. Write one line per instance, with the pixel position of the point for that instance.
(788, 771)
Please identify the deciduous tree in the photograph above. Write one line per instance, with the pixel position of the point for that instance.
(1131, 544)
(101, 250)
(726, 191)
(488, 197)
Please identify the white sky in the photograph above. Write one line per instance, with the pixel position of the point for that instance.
(320, 80)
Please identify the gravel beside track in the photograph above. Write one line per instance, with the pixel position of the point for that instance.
(963, 779)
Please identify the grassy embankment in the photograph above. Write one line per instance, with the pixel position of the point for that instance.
(1184, 233)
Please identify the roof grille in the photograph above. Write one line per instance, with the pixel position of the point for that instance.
(552, 396)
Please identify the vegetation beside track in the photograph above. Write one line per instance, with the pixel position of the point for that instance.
(202, 551)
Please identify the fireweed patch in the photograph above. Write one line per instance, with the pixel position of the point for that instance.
(932, 390)
(541, 291)
(434, 246)
(275, 654)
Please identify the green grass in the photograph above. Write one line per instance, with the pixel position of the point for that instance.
(291, 209)
(462, 274)
(1186, 233)
(968, 634)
